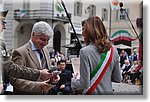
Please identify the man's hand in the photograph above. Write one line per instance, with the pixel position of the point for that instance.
(45, 86)
(45, 74)
(62, 86)
(55, 79)
(74, 75)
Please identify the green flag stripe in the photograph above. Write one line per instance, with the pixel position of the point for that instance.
(98, 66)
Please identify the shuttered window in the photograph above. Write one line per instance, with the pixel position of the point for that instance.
(104, 14)
(78, 9)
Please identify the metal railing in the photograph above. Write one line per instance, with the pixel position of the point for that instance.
(38, 14)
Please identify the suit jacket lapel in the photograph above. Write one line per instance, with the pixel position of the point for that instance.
(33, 56)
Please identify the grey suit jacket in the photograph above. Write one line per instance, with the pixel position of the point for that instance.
(25, 56)
(89, 59)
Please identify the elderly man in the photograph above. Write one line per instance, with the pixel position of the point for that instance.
(14, 70)
(33, 54)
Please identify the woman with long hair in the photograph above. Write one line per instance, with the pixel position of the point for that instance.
(99, 60)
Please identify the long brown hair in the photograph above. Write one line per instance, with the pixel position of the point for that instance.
(95, 32)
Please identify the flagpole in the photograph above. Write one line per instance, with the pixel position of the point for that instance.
(79, 43)
(110, 20)
(122, 9)
(131, 24)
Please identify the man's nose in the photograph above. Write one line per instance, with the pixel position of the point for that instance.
(45, 43)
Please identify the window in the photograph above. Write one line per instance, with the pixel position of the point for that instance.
(92, 10)
(78, 9)
(104, 14)
(121, 15)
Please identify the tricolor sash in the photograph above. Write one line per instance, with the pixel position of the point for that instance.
(97, 74)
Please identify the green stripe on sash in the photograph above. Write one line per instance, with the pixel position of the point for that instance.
(98, 66)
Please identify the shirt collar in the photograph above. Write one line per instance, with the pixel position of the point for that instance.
(33, 46)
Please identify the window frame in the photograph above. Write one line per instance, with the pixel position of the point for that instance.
(104, 14)
(78, 8)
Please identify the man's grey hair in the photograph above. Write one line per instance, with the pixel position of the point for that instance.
(42, 27)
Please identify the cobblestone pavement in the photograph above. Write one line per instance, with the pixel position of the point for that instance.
(127, 89)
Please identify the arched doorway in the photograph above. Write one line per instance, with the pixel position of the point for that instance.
(57, 40)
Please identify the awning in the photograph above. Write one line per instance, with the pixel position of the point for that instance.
(122, 46)
(122, 35)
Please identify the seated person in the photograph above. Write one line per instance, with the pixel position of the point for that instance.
(64, 84)
(125, 69)
(136, 73)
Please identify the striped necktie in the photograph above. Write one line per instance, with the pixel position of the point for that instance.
(42, 59)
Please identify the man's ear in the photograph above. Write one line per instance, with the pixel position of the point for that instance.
(33, 34)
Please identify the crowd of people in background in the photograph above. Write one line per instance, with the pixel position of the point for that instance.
(56, 56)
(131, 67)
